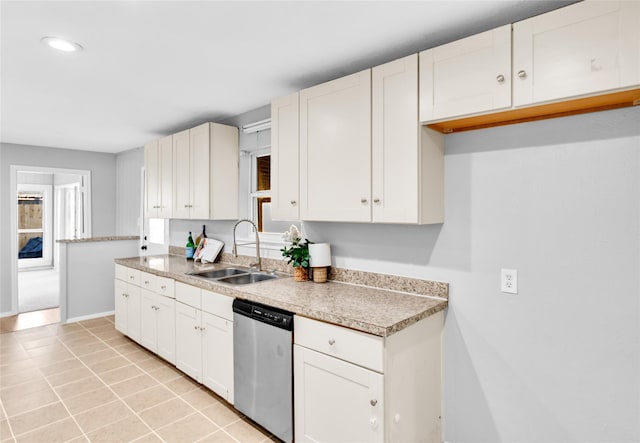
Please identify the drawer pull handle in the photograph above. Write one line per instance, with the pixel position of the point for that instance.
(364, 201)
(293, 202)
(374, 402)
(332, 342)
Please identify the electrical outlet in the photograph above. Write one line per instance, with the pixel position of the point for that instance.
(509, 281)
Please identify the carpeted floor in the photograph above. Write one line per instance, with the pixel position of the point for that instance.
(38, 290)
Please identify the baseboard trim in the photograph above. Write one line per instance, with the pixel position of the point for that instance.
(7, 314)
(89, 317)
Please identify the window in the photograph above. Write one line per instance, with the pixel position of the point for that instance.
(261, 197)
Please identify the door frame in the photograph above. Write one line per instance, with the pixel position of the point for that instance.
(13, 180)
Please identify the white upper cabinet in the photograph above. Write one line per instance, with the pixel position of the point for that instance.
(181, 175)
(285, 147)
(585, 48)
(158, 161)
(205, 172)
(335, 150)
(467, 76)
(395, 133)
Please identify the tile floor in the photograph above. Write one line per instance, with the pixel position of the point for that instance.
(86, 382)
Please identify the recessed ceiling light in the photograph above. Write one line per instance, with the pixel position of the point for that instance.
(61, 44)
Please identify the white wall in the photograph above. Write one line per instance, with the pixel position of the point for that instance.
(128, 189)
(559, 201)
(103, 187)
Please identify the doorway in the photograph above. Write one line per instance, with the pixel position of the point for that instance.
(51, 204)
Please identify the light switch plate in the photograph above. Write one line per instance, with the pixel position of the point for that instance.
(509, 281)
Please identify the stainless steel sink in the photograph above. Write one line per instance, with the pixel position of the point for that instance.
(245, 279)
(219, 273)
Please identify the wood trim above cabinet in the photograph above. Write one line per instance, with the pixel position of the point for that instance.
(583, 105)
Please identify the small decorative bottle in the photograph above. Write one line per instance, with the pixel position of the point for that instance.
(200, 237)
(191, 247)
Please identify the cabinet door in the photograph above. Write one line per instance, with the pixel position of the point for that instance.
(285, 155)
(166, 328)
(189, 341)
(199, 172)
(152, 179)
(181, 175)
(133, 312)
(165, 179)
(148, 320)
(223, 172)
(335, 150)
(395, 153)
(580, 49)
(217, 358)
(121, 311)
(336, 401)
(467, 76)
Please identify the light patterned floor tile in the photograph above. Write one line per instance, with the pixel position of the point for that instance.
(125, 430)
(165, 413)
(103, 415)
(38, 417)
(133, 385)
(60, 431)
(149, 398)
(89, 400)
(188, 429)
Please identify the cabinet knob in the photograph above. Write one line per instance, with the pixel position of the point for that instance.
(374, 402)
(186, 206)
(376, 201)
(195, 327)
(363, 201)
(522, 74)
(293, 202)
(131, 277)
(332, 342)
(500, 78)
(146, 282)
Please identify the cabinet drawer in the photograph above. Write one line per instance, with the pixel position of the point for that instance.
(189, 295)
(357, 347)
(160, 285)
(129, 275)
(217, 304)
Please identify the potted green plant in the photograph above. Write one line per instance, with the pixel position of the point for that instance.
(297, 254)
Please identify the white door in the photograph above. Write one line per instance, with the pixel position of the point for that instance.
(165, 179)
(189, 341)
(121, 311)
(217, 358)
(148, 320)
(467, 76)
(133, 312)
(199, 188)
(35, 226)
(583, 48)
(166, 331)
(181, 175)
(395, 154)
(336, 401)
(335, 150)
(285, 154)
(152, 176)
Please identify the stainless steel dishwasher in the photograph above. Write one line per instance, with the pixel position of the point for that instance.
(263, 367)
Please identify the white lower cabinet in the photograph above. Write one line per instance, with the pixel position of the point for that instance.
(350, 386)
(127, 302)
(204, 338)
(157, 319)
(217, 355)
(336, 401)
(189, 340)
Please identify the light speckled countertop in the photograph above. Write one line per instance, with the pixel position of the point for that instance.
(93, 239)
(375, 311)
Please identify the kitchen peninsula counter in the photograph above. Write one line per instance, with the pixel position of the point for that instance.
(376, 311)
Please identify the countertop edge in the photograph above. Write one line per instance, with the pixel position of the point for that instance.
(99, 239)
(333, 318)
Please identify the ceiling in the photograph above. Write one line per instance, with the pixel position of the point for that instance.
(149, 69)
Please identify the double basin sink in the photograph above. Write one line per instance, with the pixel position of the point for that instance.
(234, 276)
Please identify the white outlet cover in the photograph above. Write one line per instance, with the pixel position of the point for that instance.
(509, 281)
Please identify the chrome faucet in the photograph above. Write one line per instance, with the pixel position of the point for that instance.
(258, 262)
